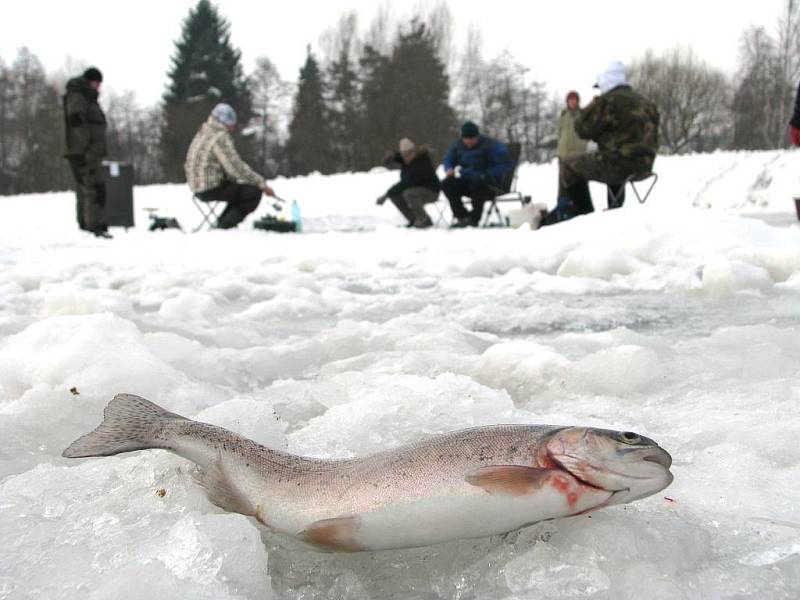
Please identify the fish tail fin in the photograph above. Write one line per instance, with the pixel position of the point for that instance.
(129, 423)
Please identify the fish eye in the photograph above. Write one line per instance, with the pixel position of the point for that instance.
(629, 437)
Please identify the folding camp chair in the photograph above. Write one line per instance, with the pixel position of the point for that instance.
(506, 192)
(615, 199)
(210, 210)
(441, 209)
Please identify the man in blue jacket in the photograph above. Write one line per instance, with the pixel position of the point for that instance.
(483, 161)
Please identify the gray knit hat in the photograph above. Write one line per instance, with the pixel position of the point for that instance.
(224, 114)
(406, 146)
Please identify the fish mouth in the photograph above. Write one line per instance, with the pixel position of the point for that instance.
(662, 458)
(597, 487)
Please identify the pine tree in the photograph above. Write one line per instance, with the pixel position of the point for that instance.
(33, 158)
(206, 69)
(310, 136)
(406, 95)
(421, 90)
(345, 113)
(377, 101)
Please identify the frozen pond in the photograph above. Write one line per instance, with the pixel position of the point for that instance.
(680, 324)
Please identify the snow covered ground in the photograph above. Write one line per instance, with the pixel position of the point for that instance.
(677, 319)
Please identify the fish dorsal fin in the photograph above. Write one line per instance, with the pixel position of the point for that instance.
(511, 480)
(222, 491)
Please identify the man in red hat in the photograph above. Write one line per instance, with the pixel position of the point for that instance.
(794, 123)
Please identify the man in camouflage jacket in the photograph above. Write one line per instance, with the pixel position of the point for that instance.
(85, 126)
(624, 125)
(214, 170)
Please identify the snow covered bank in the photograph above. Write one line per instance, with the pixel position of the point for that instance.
(669, 319)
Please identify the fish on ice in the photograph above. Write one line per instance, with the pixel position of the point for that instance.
(464, 484)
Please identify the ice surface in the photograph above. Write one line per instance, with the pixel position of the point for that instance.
(677, 319)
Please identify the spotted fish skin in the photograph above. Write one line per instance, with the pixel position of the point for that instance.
(464, 484)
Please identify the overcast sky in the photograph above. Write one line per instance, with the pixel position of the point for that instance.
(565, 44)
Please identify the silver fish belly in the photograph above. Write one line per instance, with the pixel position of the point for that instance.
(465, 484)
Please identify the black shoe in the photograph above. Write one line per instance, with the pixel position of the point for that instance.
(460, 223)
(103, 234)
(423, 223)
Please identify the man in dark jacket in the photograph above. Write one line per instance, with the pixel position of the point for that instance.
(624, 125)
(483, 161)
(794, 123)
(418, 183)
(85, 126)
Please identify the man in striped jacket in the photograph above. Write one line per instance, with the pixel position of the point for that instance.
(215, 171)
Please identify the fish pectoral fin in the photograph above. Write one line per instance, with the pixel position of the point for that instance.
(222, 491)
(510, 480)
(333, 535)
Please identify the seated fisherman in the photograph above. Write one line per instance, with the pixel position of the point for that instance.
(483, 162)
(214, 170)
(418, 183)
(624, 125)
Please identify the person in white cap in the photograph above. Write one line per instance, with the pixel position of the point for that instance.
(624, 125)
(215, 171)
(418, 183)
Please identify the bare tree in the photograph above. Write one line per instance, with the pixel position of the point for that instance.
(439, 21)
(33, 146)
(787, 64)
(133, 136)
(756, 114)
(271, 111)
(379, 34)
(692, 98)
(467, 86)
(342, 38)
(503, 98)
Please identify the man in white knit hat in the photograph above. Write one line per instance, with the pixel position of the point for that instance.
(624, 125)
(215, 171)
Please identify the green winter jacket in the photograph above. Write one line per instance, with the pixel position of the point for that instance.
(85, 123)
(624, 124)
(569, 142)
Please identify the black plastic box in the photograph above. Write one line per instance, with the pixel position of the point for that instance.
(269, 223)
(119, 193)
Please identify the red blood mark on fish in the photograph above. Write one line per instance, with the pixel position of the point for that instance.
(564, 486)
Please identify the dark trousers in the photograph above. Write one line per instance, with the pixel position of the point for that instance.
(90, 193)
(575, 172)
(241, 198)
(455, 188)
(411, 204)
